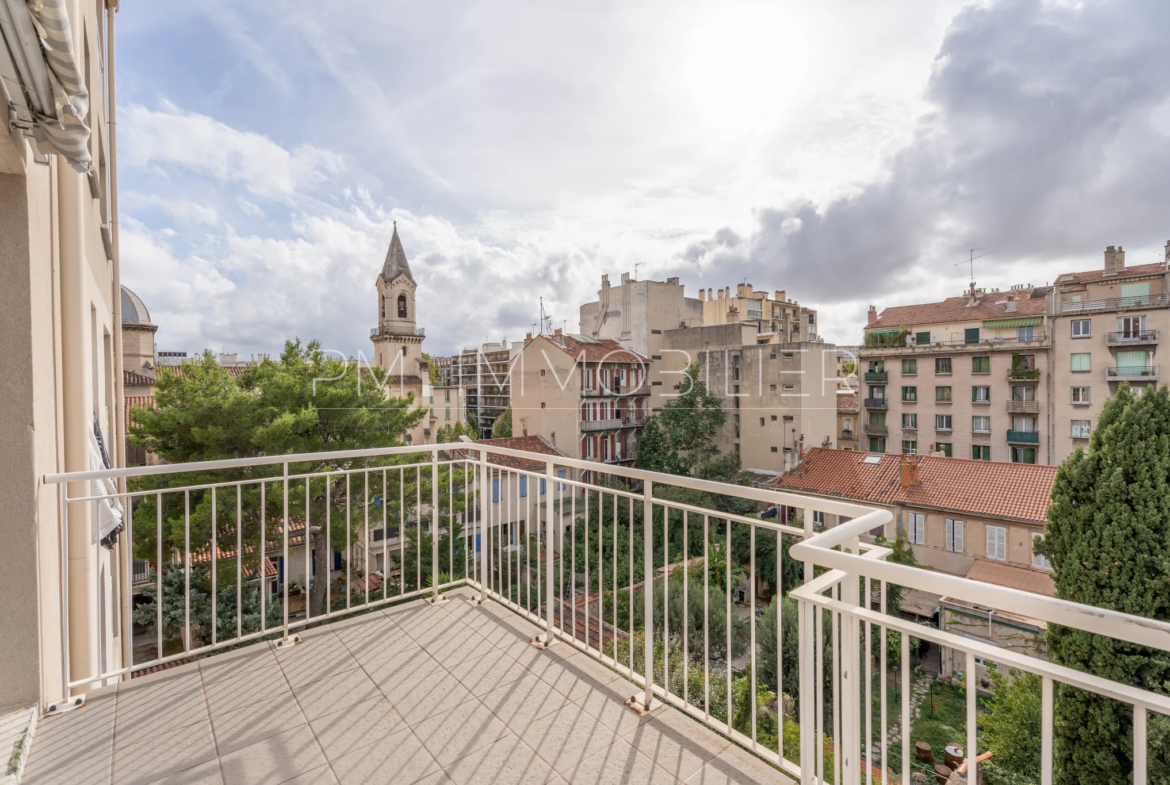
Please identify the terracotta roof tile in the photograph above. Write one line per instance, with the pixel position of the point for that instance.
(594, 350)
(1157, 268)
(847, 404)
(987, 488)
(143, 401)
(536, 444)
(179, 370)
(956, 309)
(135, 379)
(1012, 577)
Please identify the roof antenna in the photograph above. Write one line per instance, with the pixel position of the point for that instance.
(971, 262)
(636, 266)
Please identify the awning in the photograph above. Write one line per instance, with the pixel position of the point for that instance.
(40, 72)
(1019, 321)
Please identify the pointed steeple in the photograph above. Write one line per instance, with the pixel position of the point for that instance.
(396, 263)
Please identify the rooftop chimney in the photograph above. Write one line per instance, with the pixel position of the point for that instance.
(721, 293)
(740, 290)
(557, 331)
(1114, 260)
(747, 290)
(780, 295)
(909, 467)
(703, 295)
(871, 317)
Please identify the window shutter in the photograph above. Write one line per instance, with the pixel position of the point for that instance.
(958, 536)
(495, 491)
(950, 534)
(921, 529)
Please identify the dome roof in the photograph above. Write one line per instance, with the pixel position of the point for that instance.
(133, 309)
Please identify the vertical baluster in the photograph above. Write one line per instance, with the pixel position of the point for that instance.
(905, 675)
(648, 591)
(805, 647)
(752, 615)
(686, 614)
(727, 652)
(558, 503)
(284, 525)
(630, 583)
(417, 527)
(600, 574)
(127, 611)
(666, 600)
(819, 690)
(263, 558)
(484, 528)
(328, 543)
(402, 530)
(348, 543)
(573, 556)
(883, 730)
(867, 657)
(451, 523)
(707, 617)
(159, 575)
(1046, 710)
(778, 598)
(63, 533)
(310, 563)
(186, 571)
(435, 580)
(588, 584)
(614, 569)
(1140, 746)
(838, 696)
(972, 719)
(239, 562)
(385, 538)
(549, 489)
(365, 534)
(214, 570)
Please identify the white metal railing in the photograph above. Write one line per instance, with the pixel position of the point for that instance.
(596, 555)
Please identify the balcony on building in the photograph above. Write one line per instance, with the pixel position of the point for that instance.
(392, 328)
(1131, 338)
(1111, 304)
(1119, 373)
(876, 376)
(1028, 375)
(1023, 407)
(876, 430)
(1023, 437)
(478, 677)
(876, 403)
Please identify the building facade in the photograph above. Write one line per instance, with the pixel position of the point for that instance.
(848, 409)
(586, 396)
(776, 319)
(965, 377)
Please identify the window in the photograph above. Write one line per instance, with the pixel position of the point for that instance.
(910, 394)
(910, 420)
(877, 418)
(542, 404)
(542, 488)
(774, 449)
(523, 486)
(1026, 333)
(495, 491)
(772, 388)
(980, 395)
(1023, 454)
(971, 335)
(1078, 395)
(981, 424)
(1129, 327)
(944, 448)
(1080, 429)
(877, 366)
(1080, 362)
(942, 422)
(942, 394)
(877, 445)
(1038, 561)
(1131, 362)
(847, 421)
(942, 364)
(954, 535)
(818, 518)
(909, 367)
(447, 413)
(877, 393)
(402, 306)
(909, 447)
(980, 365)
(1082, 328)
(997, 543)
(981, 452)
(916, 527)
(761, 422)
(1024, 424)
(1135, 293)
(922, 337)
(1021, 393)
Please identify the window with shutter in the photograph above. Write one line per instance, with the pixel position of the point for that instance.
(997, 543)
(1038, 561)
(954, 535)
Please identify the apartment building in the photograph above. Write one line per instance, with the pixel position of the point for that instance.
(780, 398)
(587, 396)
(965, 377)
(848, 409)
(776, 319)
(972, 518)
(1107, 325)
(485, 374)
(61, 339)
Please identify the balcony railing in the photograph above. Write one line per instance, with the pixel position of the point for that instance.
(1023, 407)
(1131, 337)
(847, 435)
(1115, 304)
(875, 403)
(1147, 372)
(1023, 374)
(391, 328)
(876, 430)
(876, 376)
(211, 527)
(1023, 437)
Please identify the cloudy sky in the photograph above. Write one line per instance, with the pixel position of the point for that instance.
(848, 153)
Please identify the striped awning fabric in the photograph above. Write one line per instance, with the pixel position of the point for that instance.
(1019, 321)
(39, 43)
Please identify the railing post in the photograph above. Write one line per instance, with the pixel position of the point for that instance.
(285, 638)
(648, 589)
(546, 638)
(435, 598)
(805, 662)
(484, 536)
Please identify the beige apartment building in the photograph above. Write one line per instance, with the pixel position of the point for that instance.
(966, 377)
(1107, 325)
(60, 336)
(587, 396)
(848, 409)
(780, 398)
(776, 319)
(485, 375)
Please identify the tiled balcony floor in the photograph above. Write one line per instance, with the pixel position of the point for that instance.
(453, 694)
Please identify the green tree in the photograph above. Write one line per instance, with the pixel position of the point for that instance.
(1011, 725)
(682, 437)
(305, 402)
(448, 434)
(1108, 528)
(502, 428)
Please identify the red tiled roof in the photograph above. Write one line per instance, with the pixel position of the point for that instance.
(1157, 268)
(988, 488)
(180, 370)
(144, 401)
(537, 444)
(135, 379)
(847, 404)
(594, 350)
(956, 309)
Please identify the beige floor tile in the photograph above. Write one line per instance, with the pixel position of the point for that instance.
(567, 737)
(276, 759)
(245, 726)
(141, 760)
(738, 767)
(618, 764)
(204, 774)
(417, 698)
(321, 654)
(459, 732)
(486, 673)
(509, 761)
(400, 758)
(357, 726)
(333, 692)
(676, 743)
(520, 702)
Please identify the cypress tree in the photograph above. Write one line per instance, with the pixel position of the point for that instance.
(1107, 537)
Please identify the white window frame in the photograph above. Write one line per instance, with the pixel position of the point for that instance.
(1084, 399)
(912, 419)
(974, 423)
(1087, 333)
(1080, 433)
(818, 518)
(954, 535)
(997, 543)
(944, 422)
(1038, 561)
(916, 527)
